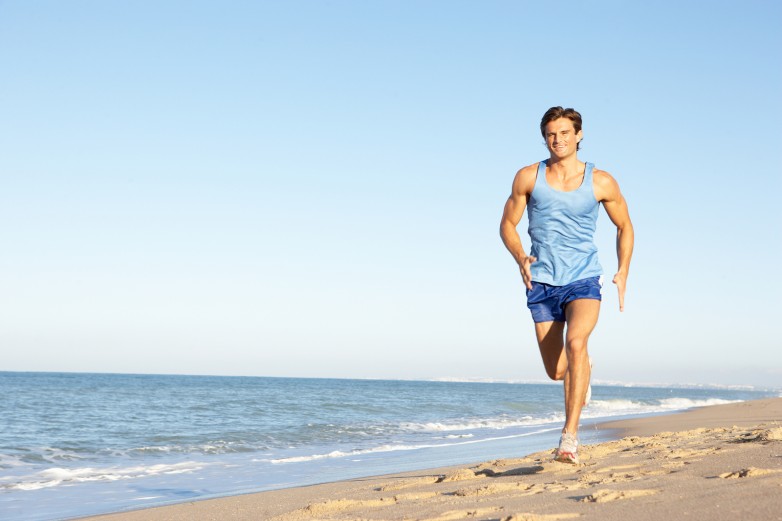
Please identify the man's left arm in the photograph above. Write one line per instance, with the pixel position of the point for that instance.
(607, 192)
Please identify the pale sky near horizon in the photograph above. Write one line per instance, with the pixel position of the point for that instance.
(307, 188)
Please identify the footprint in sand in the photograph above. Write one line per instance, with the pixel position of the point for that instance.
(593, 479)
(617, 474)
(604, 496)
(540, 517)
(459, 475)
(518, 471)
(750, 472)
(762, 435)
(415, 496)
(409, 483)
(336, 505)
(495, 489)
(457, 515)
(692, 453)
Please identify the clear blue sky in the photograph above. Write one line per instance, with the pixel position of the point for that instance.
(314, 188)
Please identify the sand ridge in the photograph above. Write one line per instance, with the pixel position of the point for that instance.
(632, 469)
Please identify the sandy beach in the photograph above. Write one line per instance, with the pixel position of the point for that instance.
(719, 462)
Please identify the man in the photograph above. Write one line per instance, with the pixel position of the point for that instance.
(561, 273)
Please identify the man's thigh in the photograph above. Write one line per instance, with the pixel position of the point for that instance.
(581, 316)
(550, 341)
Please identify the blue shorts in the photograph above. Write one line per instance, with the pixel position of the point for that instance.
(547, 303)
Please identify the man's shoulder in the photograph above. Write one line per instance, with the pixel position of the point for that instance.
(604, 183)
(526, 176)
(529, 169)
(602, 177)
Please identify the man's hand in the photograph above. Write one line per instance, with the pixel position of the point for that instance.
(620, 279)
(526, 273)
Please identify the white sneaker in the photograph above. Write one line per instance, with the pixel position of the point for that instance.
(568, 449)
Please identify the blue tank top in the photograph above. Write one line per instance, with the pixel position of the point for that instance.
(562, 228)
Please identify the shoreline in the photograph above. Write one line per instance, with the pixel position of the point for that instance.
(655, 463)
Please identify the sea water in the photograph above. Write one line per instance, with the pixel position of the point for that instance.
(80, 444)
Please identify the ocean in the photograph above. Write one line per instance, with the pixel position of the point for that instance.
(73, 445)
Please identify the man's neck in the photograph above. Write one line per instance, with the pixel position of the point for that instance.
(566, 166)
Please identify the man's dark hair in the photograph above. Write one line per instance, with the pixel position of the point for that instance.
(558, 112)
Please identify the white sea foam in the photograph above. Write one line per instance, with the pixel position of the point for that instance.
(601, 408)
(54, 455)
(596, 409)
(489, 423)
(217, 447)
(395, 448)
(685, 403)
(61, 476)
(668, 385)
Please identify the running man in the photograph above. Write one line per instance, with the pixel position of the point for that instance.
(561, 273)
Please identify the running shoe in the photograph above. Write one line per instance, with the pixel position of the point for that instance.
(568, 449)
(588, 396)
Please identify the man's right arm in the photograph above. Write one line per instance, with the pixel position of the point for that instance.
(523, 184)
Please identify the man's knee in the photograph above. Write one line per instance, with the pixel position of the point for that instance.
(576, 345)
(556, 372)
(555, 375)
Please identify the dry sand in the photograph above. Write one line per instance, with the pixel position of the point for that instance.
(720, 462)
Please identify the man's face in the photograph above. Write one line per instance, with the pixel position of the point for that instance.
(562, 138)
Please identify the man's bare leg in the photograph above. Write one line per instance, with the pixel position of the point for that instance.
(551, 342)
(552, 348)
(581, 316)
(557, 352)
